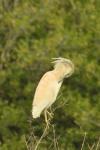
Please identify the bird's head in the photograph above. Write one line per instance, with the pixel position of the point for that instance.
(64, 65)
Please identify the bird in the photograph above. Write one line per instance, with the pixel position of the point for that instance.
(49, 86)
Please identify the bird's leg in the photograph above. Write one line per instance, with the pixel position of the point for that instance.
(50, 113)
(46, 120)
(50, 109)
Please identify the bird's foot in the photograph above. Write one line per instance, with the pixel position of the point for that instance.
(50, 114)
(47, 120)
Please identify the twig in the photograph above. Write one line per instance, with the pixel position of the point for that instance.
(50, 145)
(31, 137)
(26, 142)
(59, 96)
(57, 143)
(98, 144)
(54, 138)
(90, 147)
(60, 105)
(43, 135)
(84, 136)
(93, 146)
(83, 140)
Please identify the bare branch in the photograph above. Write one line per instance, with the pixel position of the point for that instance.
(26, 142)
(98, 144)
(60, 105)
(83, 140)
(91, 148)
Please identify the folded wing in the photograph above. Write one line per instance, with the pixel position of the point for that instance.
(44, 94)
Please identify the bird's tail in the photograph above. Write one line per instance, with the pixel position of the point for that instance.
(35, 111)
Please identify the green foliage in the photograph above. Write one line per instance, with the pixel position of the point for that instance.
(31, 33)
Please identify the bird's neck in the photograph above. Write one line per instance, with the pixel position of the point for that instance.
(59, 74)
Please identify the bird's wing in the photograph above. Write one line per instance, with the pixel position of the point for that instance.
(44, 93)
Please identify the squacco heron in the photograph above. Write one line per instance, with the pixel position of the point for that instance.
(49, 86)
